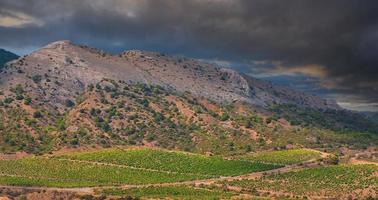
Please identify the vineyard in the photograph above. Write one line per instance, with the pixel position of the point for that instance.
(172, 161)
(120, 167)
(62, 173)
(155, 174)
(284, 157)
(173, 192)
(332, 181)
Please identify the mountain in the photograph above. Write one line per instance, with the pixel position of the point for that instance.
(77, 66)
(70, 95)
(6, 56)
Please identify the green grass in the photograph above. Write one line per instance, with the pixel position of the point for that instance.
(173, 161)
(284, 157)
(331, 180)
(171, 192)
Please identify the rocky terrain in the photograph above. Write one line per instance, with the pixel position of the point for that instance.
(64, 70)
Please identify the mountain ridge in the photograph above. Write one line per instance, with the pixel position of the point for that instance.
(84, 65)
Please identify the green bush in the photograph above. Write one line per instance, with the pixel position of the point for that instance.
(224, 117)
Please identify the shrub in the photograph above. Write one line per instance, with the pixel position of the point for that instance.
(61, 124)
(27, 101)
(93, 112)
(37, 114)
(19, 97)
(158, 117)
(98, 86)
(145, 102)
(74, 141)
(247, 123)
(8, 100)
(69, 103)
(90, 87)
(18, 89)
(37, 78)
(224, 117)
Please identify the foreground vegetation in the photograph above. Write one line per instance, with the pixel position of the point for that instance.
(332, 181)
(284, 157)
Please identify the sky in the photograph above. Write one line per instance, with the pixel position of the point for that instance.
(324, 47)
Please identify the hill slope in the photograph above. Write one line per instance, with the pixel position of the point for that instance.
(69, 95)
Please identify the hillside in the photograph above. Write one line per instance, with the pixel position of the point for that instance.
(6, 56)
(66, 95)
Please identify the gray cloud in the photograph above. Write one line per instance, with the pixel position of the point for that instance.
(341, 36)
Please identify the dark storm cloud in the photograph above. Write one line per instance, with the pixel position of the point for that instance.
(339, 36)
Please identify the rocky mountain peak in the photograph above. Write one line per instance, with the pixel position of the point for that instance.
(60, 43)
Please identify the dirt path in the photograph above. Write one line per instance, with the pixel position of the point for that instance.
(355, 161)
(82, 190)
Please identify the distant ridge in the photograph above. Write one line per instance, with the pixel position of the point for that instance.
(6, 56)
